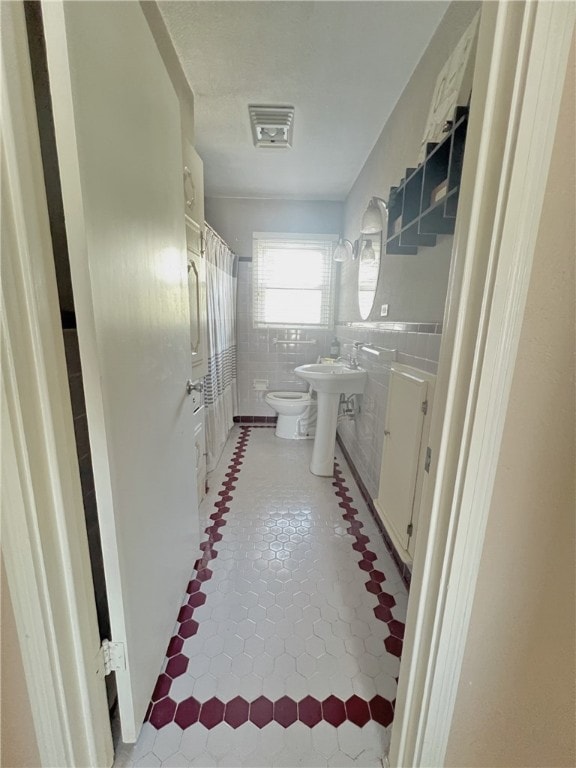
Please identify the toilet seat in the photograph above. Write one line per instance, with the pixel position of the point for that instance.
(293, 396)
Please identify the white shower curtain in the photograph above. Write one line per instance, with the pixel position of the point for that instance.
(220, 396)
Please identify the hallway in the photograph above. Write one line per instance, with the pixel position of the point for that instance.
(286, 648)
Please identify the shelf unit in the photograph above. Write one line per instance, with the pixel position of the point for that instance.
(424, 203)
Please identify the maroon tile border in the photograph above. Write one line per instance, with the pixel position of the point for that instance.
(159, 711)
(163, 710)
(262, 711)
(271, 420)
(403, 569)
(374, 584)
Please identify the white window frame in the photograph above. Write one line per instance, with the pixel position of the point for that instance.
(330, 290)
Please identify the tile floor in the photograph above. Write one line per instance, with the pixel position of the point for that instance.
(286, 648)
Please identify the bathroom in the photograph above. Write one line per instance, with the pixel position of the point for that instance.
(234, 375)
(260, 618)
(413, 287)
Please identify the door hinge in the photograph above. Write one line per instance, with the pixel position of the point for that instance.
(425, 407)
(409, 529)
(428, 459)
(111, 658)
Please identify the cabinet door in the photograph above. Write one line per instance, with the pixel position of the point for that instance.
(402, 443)
(197, 301)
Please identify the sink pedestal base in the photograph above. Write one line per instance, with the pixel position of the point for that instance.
(323, 452)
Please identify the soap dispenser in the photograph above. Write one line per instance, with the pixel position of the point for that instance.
(335, 348)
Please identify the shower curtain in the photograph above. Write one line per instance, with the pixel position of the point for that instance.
(220, 396)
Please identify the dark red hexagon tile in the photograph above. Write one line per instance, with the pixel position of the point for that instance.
(377, 576)
(357, 710)
(162, 687)
(393, 645)
(211, 713)
(310, 711)
(334, 711)
(387, 600)
(373, 587)
(261, 711)
(177, 665)
(383, 613)
(185, 612)
(381, 710)
(396, 628)
(162, 712)
(197, 599)
(174, 646)
(187, 712)
(285, 711)
(236, 713)
(204, 575)
(188, 628)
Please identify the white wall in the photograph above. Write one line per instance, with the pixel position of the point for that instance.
(414, 287)
(235, 219)
(516, 699)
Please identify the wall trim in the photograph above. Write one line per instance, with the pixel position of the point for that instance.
(402, 567)
(394, 325)
(271, 420)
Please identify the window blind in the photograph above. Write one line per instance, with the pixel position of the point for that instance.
(293, 280)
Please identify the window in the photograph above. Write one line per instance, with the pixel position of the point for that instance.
(293, 280)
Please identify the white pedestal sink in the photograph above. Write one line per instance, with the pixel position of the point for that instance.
(330, 380)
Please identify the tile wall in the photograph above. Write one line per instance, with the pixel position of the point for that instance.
(259, 357)
(417, 344)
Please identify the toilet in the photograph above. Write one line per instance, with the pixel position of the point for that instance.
(292, 409)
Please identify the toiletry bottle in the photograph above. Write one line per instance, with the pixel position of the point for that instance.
(335, 348)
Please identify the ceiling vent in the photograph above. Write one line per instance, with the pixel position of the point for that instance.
(271, 126)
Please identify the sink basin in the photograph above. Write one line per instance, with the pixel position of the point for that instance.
(334, 378)
(330, 380)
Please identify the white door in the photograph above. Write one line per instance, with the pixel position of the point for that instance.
(118, 135)
(402, 447)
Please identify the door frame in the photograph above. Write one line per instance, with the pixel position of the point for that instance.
(44, 541)
(521, 64)
(477, 361)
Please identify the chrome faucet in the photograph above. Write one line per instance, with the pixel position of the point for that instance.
(352, 359)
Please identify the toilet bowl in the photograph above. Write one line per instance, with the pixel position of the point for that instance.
(292, 409)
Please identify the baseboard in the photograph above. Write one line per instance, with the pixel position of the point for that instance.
(403, 569)
(255, 419)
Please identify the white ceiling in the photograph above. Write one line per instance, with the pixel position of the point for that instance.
(342, 65)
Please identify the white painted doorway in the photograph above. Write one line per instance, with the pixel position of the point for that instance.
(417, 720)
(117, 123)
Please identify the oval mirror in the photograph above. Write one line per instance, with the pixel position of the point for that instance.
(369, 248)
